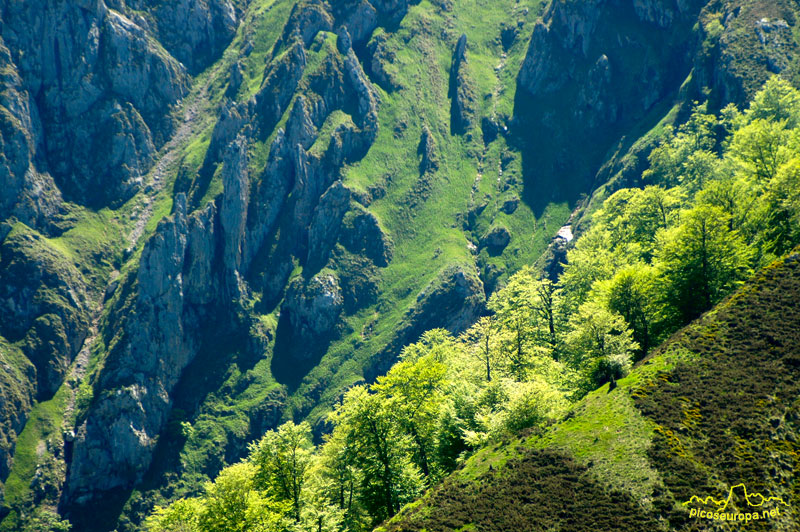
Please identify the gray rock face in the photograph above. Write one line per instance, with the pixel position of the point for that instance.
(280, 83)
(232, 119)
(779, 46)
(29, 195)
(195, 32)
(44, 309)
(429, 157)
(496, 239)
(233, 213)
(393, 10)
(44, 304)
(313, 307)
(235, 79)
(324, 229)
(84, 103)
(362, 16)
(656, 12)
(572, 31)
(201, 258)
(361, 20)
(306, 20)
(581, 84)
(103, 90)
(114, 445)
(595, 94)
(461, 93)
(361, 234)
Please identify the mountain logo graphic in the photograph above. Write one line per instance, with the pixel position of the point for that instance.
(757, 506)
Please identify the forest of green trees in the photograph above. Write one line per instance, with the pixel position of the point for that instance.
(722, 199)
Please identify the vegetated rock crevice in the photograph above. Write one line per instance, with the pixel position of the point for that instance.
(45, 309)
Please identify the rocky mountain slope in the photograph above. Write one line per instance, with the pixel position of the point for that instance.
(220, 214)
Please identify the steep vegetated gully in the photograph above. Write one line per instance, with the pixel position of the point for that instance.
(217, 216)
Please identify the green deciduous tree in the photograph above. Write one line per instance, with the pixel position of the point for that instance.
(685, 157)
(777, 101)
(340, 478)
(481, 343)
(182, 515)
(600, 343)
(633, 217)
(591, 260)
(282, 458)
(761, 147)
(782, 206)
(320, 512)
(631, 294)
(700, 261)
(379, 451)
(528, 321)
(531, 404)
(414, 391)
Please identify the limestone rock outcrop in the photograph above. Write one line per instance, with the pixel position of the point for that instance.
(44, 305)
(461, 92)
(90, 69)
(313, 308)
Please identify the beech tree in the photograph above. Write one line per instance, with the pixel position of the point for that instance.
(481, 343)
(685, 156)
(319, 511)
(777, 101)
(528, 321)
(782, 205)
(379, 451)
(700, 261)
(233, 504)
(761, 147)
(600, 343)
(413, 392)
(631, 294)
(340, 478)
(283, 457)
(181, 516)
(591, 260)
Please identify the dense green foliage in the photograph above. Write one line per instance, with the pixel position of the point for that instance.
(723, 204)
(714, 406)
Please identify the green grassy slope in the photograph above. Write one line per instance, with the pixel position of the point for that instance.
(428, 222)
(714, 407)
